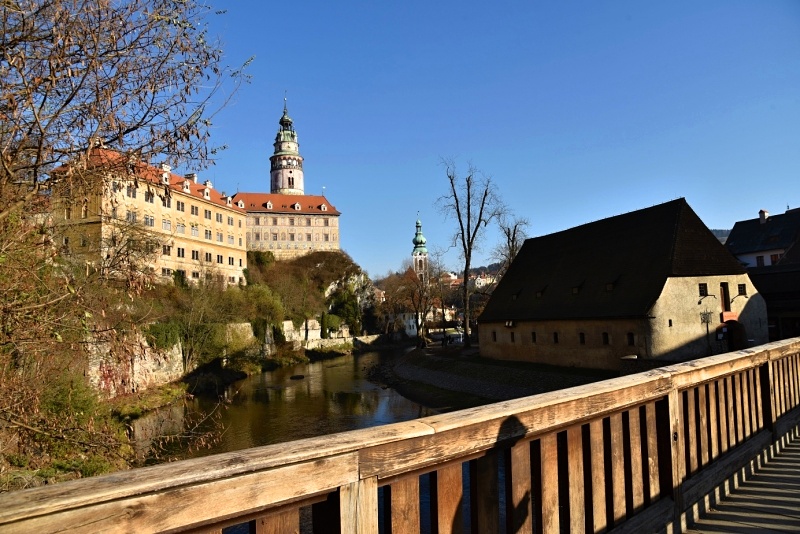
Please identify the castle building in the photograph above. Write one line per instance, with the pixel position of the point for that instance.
(135, 218)
(286, 221)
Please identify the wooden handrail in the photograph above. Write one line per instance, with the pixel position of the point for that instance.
(630, 453)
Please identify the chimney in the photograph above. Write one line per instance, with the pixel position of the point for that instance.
(192, 176)
(165, 173)
(763, 215)
(207, 183)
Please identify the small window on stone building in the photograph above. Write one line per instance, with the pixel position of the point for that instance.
(703, 289)
(631, 339)
(582, 338)
(760, 261)
(606, 339)
(533, 337)
(743, 289)
(670, 323)
(555, 337)
(512, 337)
(494, 336)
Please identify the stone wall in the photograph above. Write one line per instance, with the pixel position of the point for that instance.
(123, 363)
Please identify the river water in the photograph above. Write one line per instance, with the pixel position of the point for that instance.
(302, 401)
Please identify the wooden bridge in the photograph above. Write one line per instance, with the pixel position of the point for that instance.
(640, 453)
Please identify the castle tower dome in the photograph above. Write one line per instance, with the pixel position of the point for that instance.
(419, 256)
(286, 163)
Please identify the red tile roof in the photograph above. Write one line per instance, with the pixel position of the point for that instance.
(106, 158)
(308, 204)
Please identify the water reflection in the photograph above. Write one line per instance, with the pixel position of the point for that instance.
(332, 396)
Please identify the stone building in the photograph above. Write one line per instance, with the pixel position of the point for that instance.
(286, 221)
(650, 284)
(133, 217)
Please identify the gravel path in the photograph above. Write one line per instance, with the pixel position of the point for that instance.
(493, 381)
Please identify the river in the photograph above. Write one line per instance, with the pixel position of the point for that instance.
(292, 403)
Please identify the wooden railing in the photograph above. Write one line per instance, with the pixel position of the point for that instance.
(633, 454)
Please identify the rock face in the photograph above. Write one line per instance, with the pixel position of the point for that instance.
(124, 363)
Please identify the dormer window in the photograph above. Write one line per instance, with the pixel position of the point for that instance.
(186, 187)
(228, 201)
(297, 206)
(240, 204)
(269, 205)
(323, 207)
(207, 194)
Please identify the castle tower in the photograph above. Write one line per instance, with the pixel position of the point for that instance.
(419, 256)
(286, 163)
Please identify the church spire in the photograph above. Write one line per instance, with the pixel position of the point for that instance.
(286, 163)
(419, 256)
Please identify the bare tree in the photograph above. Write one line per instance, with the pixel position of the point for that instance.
(472, 201)
(514, 232)
(141, 76)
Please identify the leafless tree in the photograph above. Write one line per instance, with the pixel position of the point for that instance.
(514, 233)
(473, 202)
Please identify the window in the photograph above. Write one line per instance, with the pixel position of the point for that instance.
(774, 258)
(512, 336)
(703, 290)
(181, 252)
(195, 231)
(631, 339)
(207, 214)
(166, 202)
(149, 220)
(130, 191)
(274, 221)
(166, 250)
(743, 289)
(166, 224)
(219, 237)
(308, 221)
(208, 234)
(291, 221)
(257, 236)
(180, 228)
(230, 240)
(291, 237)
(68, 212)
(195, 275)
(219, 217)
(219, 258)
(533, 337)
(325, 237)
(326, 223)
(180, 206)
(258, 221)
(555, 337)
(308, 237)
(760, 261)
(582, 338)
(195, 210)
(230, 221)
(230, 260)
(606, 339)
(240, 241)
(494, 336)
(130, 216)
(208, 257)
(196, 255)
(166, 272)
(149, 196)
(240, 262)
(275, 236)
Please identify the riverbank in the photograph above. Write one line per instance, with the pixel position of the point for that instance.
(455, 378)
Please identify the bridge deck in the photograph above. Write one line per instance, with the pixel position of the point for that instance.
(769, 501)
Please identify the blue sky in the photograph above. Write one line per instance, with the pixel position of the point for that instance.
(577, 110)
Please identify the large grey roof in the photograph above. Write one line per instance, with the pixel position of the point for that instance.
(612, 268)
(777, 232)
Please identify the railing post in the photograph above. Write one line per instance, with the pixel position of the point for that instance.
(671, 458)
(358, 507)
(767, 395)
